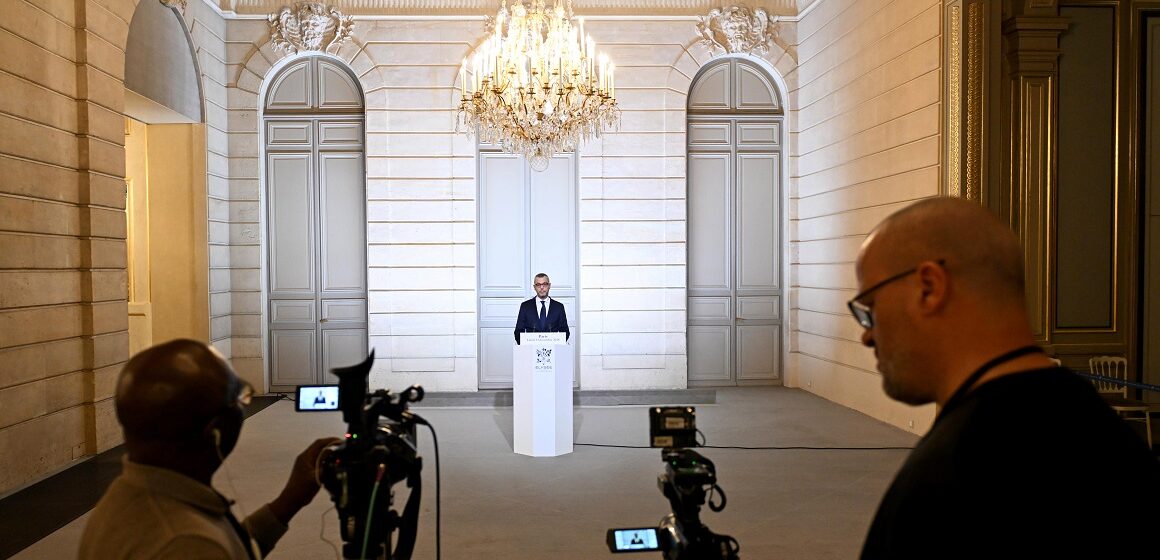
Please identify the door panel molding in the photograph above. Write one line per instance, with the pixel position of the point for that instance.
(709, 221)
(290, 202)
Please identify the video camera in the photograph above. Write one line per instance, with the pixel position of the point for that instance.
(687, 478)
(380, 450)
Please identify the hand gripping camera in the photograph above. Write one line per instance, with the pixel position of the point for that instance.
(687, 478)
(359, 473)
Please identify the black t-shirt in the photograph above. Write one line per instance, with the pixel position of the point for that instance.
(1029, 465)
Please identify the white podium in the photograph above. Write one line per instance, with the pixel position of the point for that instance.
(542, 395)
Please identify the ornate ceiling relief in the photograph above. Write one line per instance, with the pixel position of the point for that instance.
(307, 26)
(738, 29)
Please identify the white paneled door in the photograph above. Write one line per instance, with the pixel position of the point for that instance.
(527, 225)
(315, 223)
(734, 229)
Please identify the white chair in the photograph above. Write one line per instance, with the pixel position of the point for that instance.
(1116, 394)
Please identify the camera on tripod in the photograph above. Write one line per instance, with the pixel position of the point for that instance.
(687, 479)
(380, 450)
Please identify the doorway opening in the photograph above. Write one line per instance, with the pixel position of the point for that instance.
(314, 189)
(734, 171)
(527, 225)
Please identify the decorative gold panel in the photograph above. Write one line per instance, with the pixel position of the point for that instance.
(973, 182)
(954, 99)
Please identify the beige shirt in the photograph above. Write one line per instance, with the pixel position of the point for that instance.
(154, 513)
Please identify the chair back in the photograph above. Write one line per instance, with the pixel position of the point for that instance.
(1110, 366)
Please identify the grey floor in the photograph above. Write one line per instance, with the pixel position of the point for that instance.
(796, 504)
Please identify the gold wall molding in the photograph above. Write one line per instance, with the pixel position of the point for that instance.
(954, 103)
(1032, 49)
(966, 65)
(973, 117)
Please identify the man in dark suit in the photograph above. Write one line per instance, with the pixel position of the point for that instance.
(542, 313)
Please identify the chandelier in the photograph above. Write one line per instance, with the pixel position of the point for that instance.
(536, 85)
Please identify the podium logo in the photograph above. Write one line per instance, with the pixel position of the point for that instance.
(544, 361)
(544, 356)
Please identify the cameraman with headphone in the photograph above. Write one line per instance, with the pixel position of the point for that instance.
(180, 405)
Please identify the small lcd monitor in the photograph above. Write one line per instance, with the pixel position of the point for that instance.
(639, 539)
(317, 397)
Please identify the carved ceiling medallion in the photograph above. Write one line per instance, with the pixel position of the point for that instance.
(738, 29)
(309, 26)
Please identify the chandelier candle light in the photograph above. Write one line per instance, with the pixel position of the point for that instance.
(536, 86)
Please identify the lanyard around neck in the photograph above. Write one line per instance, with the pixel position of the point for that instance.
(963, 389)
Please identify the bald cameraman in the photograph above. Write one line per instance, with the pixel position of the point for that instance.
(1024, 460)
(181, 408)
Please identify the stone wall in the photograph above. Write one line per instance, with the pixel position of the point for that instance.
(62, 252)
(63, 317)
(866, 111)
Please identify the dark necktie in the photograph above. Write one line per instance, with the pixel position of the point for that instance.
(543, 317)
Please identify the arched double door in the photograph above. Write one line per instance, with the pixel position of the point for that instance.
(315, 200)
(735, 123)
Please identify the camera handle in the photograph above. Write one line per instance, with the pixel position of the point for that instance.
(689, 538)
(409, 525)
(685, 499)
(696, 543)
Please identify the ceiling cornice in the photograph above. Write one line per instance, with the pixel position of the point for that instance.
(787, 9)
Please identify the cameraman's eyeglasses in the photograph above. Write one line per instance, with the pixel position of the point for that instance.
(863, 313)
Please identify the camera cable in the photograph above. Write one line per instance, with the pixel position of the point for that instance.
(370, 509)
(720, 492)
(438, 499)
(322, 533)
(763, 448)
(318, 480)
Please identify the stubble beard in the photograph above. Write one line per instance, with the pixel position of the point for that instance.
(898, 388)
(901, 376)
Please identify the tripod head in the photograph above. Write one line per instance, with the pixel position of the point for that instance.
(688, 478)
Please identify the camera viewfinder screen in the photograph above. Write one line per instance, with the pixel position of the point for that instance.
(317, 397)
(636, 539)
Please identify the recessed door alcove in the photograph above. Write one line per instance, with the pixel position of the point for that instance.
(315, 203)
(735, 124)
